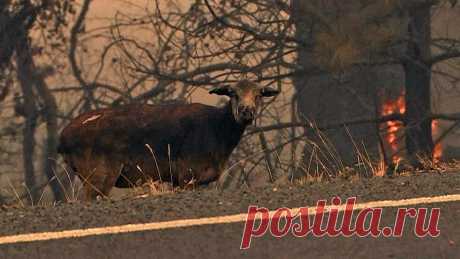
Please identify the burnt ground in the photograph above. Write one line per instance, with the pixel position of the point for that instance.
(224, 240)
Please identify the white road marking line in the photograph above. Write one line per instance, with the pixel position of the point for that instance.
(129, 228)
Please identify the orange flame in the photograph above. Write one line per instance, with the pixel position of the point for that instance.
(437, 151)
(393, 128)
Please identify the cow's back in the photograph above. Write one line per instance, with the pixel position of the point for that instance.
(128, 128)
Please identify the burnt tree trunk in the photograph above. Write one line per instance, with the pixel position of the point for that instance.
(49, 113)
(327, 98)
(418, 133)
(15, 16)
(36, 81)
(28, 109)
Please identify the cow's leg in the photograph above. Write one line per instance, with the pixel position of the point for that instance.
(186, 175)
(94, 181)
(114, 171)
(98, 175)
(93, 186)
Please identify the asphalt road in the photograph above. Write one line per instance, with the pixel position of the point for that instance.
(223, 240)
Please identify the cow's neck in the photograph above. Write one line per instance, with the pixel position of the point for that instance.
(233, 130)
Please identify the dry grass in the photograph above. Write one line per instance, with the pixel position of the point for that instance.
(151, 188)
(328, 164)
(324, 164)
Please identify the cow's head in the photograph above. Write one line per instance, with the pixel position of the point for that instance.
(245, 98)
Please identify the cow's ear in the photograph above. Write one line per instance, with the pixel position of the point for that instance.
(269, 92)
(222, 90)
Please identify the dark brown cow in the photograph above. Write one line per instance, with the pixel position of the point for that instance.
(179, 143)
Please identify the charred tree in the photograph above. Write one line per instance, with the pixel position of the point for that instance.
(49, 113)
(35, 87)
(28, 109)
(418, 132)
(352, 75)
(15, 15)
